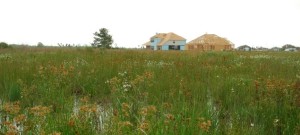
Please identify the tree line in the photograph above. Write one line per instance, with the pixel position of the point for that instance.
(102, 39)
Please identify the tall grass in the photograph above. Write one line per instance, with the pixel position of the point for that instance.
(91, 91)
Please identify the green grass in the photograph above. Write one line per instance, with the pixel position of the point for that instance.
(150, 92)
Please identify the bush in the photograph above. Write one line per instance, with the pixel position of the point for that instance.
(3, 45)
(40, 44)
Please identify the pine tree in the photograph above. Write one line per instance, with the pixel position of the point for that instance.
(102, 39)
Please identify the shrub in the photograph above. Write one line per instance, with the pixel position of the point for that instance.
(40, 44)
(3, 45)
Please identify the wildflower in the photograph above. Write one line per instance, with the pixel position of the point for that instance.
(72, 69)
(125, 106)
(256, 83)
(71, 123)
(41, 69)
(275, 122)
(6, 123)
(56, 133)
(205, 125)
(84, 108)
(11, 132)
(125, 109)
(39, 110)
(252, 124)
(84, 99)
(232, 90)
(94, 108)
(114, 81)
(137, 80)
(20, 118)
(65, 72)
(126, 87)
(12, 108)
(144, 126)
(12, 127)
(148, 75)
(122, 74)
(106, 82)
(201, 119)
(126, 124)
(143, 111)
(167, 105)
(170, 117)
(152, 109)
(115, 112)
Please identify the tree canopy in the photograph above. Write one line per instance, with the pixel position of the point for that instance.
(3, 45)
(288, 46)
(102, 39)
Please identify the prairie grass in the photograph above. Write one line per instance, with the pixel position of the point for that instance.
(91, 91)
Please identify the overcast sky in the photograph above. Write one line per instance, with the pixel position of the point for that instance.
(256, 23)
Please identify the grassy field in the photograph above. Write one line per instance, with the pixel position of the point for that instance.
(89, 91)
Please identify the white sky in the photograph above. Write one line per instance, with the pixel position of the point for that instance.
(256, 23)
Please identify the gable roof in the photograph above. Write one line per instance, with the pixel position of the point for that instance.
(147, 43)
(211, 39)
(165, 37)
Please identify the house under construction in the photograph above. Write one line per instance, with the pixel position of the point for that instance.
(210, 42)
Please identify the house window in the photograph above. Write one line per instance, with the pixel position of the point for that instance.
(152, 40)
(174, 47)
(159, 48)
(173, 42)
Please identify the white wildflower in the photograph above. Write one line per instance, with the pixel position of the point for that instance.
(275, 122)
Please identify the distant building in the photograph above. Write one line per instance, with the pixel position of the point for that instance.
(244, 48)
(166, 41)
(210, 42)
(276, 49)
(261, 49)
(291, 49)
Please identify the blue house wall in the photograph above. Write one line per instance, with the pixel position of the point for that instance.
(180, 43)
(182, 47)
(165, 47)
(155, 41)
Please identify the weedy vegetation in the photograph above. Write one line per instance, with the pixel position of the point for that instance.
(94, 91)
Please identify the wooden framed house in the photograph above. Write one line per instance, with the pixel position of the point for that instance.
(210, 42)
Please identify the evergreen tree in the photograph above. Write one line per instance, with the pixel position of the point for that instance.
(102, 39)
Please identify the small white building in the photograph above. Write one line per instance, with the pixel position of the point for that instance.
(291, 50)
